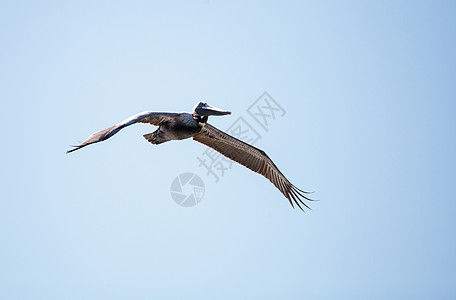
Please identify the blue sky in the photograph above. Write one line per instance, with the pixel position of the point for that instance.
(369, 94)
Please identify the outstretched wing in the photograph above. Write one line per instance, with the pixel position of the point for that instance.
(154, 118)
(252, 158)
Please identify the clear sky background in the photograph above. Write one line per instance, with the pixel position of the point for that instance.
(369, 94)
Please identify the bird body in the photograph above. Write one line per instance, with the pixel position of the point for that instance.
(179, 126)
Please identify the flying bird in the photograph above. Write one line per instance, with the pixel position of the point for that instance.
(179, 126)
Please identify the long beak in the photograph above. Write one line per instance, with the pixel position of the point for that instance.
(209, 110)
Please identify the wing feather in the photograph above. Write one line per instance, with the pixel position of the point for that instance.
(251, 157)
(153, 118)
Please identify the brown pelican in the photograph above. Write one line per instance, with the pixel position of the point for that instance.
(179, 126)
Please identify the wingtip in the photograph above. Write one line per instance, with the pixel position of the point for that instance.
(74, 149)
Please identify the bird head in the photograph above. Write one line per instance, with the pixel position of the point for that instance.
(203, 109)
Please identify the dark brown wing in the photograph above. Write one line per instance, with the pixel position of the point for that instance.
(252, 158)
(153, 118)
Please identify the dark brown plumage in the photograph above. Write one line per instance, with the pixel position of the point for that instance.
(179, 126)
(251, 157)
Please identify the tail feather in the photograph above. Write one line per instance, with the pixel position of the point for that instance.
(154, 137)
(150, 136)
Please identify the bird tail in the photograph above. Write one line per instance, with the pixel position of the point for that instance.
(154, 137)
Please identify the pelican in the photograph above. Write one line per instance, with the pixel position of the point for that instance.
(179, 126)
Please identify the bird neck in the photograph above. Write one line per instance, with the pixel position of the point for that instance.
(201, 119)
